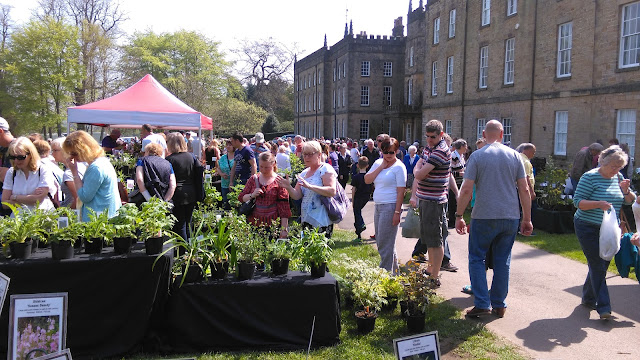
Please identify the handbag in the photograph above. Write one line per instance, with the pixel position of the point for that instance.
(336, 205)
(246, 208)
(411, 225)
(609, 235)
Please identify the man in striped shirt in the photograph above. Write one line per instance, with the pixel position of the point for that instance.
(432, 173)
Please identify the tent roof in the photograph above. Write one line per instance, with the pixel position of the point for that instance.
(145, 102)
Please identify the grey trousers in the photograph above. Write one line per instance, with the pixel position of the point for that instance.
(386, 236)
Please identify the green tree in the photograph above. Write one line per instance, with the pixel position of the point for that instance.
(187, 63)
(44, 70)
(230, 115)
(270, 124)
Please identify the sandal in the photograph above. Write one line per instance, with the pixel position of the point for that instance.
(467, 289)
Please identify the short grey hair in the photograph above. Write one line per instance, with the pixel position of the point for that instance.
(412, 147)
(58, 142)
(612, 154)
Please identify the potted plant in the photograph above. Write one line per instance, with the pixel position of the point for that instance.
(248, 247)
(124, 225)
(18, 232)
(555, 210)
(416, 291)
(222, 248)
(394, 290)
(280, 252)
(155, 221)
(194, 259)
(64, 235)
(97, 232)
(369, 293)
(316, 251)
(45, 220)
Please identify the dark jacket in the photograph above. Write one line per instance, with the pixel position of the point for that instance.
(344, 165)
(156, 174)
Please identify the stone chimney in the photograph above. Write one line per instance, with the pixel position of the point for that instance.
(398, 28)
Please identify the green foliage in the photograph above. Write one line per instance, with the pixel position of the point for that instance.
(125, 223)
(280, 249)
(416, 287)
(230, 114)
(23, 225)
(43, 71)
(211, 196)
(232, 196)
(155, 218)
(220, 240)
(72, 232)
(98, 227)
(296, 166)
(196, 252)
(365, 282)
(550, 188)
(313, 246)
(270, 124)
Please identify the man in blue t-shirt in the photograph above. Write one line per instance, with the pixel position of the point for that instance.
(245, 161)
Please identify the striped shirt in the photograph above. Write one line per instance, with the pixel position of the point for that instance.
(435, 186)
(595, 187)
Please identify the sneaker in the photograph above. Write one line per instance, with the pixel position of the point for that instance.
(449, 267)
(434, 283)
(588, 305)
(499, 312)
(467, 290)
(476, 312)
(605, 316)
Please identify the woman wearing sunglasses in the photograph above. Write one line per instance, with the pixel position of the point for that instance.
(98, 189)
(389, 176)
(27, 183)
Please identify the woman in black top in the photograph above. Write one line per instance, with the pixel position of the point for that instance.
(212, 153)
(344, 166)
(184, 198)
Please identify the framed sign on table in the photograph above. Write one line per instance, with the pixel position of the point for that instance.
(424, 346)
(62, 355)
(37, 324)
(4, 287)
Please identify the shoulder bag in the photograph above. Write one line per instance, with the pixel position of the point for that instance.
(198, 179)
(337, 205)
(247, 207)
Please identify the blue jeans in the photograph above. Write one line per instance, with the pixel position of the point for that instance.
(594, 290)
(224, 191)
(501, 233)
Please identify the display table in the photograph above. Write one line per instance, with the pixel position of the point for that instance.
(111, 297)
(264, 313)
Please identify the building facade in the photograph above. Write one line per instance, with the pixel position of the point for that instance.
(558, 73)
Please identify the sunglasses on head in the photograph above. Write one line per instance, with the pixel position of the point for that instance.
(17, 157)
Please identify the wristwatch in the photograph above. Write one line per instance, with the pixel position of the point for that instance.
(458, 215)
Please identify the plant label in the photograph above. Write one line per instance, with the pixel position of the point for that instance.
(208, 167)
(78, 214)
(200, 237)
(63, 222)
(218, 217)
(207, 178)
(130, 184)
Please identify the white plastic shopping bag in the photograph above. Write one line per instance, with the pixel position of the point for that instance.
(636, 214)
(609, 235)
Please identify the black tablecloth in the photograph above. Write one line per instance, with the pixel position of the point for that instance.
(264, 313)
(111, 297)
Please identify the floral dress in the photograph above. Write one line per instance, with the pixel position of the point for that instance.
(312, 210)
(271, 205)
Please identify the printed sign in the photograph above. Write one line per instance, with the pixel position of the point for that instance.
(418, 347)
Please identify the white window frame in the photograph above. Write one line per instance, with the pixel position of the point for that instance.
(339, 96)
(452, 23)
(626, 128)
(334, 74)
(448, 127)
(344, 97)
(410, 92)
(387, 92)
(436, 31)
(407, 133)
(314, 78)
(481, 124)
(314, 102)
(560, 133)
(484, 67)
(450, 75)
(319, 101)
(297, 104)
(565, 40)
(411, 57)
(344, 69)
(509, 60)
(507, 124)
(434, 78)
(339, 72)
(334, 98)
(319, 77)
(364, 95)
(629, 54)
(512, 7)
(364, 129)
(387, 69)
(486, 12)
(365, 68)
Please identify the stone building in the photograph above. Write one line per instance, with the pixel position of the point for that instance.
(559, 74)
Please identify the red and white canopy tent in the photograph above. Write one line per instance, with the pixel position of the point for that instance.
(145, 102)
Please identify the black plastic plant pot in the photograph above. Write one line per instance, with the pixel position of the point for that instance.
(246, 270)
(219, 270)
(93, 246)
(62, 250)
(153, 246)
(391, 304)
(21, 250)
(194, 274)
(122, 245)
(280, 266)
(415, 321)
(35, 244)
(318, 271)
(365, 322)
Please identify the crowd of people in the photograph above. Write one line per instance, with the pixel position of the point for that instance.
(443, 178)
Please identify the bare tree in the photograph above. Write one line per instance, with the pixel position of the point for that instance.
(5, 25)
(263, 60)
(55, 9)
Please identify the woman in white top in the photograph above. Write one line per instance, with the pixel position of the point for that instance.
(318, 179)
(282, 158)
(69, 193)
(389, 177)
(27, 183)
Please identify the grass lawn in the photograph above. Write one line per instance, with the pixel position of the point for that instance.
(459, 338)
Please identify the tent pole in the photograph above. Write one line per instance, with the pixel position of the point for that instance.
(200, 139)
(68, 127)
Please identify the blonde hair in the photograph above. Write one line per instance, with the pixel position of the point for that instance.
(312, 145)
(268, 156)
(613, 154)
(176, 143)
(24, 144)
(153, 149)
(84, 145)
